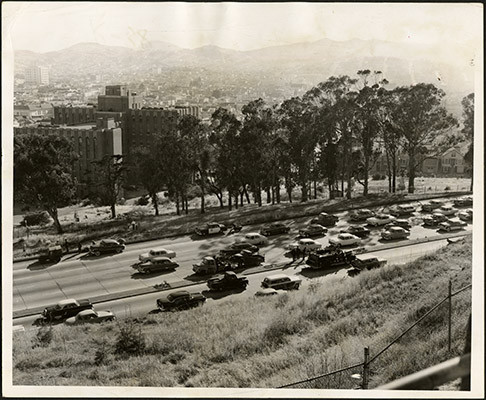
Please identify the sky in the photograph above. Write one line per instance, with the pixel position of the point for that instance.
(50, 26)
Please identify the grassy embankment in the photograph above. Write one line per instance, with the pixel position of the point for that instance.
(97, 223)
(268, 342)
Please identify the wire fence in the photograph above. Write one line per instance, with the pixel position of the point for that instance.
(436, 333)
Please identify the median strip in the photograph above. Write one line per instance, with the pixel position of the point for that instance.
(269, 267)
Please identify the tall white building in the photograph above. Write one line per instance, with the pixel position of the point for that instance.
(37, 74)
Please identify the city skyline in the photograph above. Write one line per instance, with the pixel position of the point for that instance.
(450, 31)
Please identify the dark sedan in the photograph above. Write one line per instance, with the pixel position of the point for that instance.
(313, 230)
(357, 230)
(274, 229)
(235, 248)
(181, 300)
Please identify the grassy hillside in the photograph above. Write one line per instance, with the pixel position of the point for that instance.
(264, 342)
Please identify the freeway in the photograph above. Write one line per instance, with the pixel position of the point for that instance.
(81, 276)
(142, 305)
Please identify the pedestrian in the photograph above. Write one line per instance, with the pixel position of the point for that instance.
(79, 247)
(24, 247)
(303, 254)
(66, 245)
(293, 252)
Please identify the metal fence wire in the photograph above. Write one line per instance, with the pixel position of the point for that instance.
(445, 322)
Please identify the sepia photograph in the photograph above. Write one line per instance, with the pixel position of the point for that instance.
(242, 200)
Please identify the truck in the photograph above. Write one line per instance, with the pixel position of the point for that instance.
(50, 254)
(210, 265)
(65, 309)
(330, 257)
(228, 281)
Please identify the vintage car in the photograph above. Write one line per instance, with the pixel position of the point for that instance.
(107, 246)
(274, 229)
(50, 254)
(466, 215)
(464, 201)
(447, 210)
(452, 225)
(210, 265)
(394, 233)
(246, 258)
(64, 309)
(313, 230)
(180, 300)
(432, 205)
(361, 215)
(228, 281)
(235, 248)
(345, 239)
(402, 209)
(380, 219)
(254, 238)
(325, 219)
(211, 228)
(156, 264)
(357, 230)
(365, 262)
(305, 245)
(268, 292)
(159, 252)
(403, 223)
(434, 219)
(91, 316)
(281, 281)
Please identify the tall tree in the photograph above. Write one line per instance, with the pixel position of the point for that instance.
(421, 120)
(468, 131)
(107, 178)
(43, 172)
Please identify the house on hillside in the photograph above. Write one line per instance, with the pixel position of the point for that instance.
(452, 161)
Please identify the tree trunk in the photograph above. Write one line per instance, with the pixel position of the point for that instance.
(394, 172)
(187, 205)
(366, 176)
(220, 199)
(178, 210)
(273, 194)
(155, 202)
(315, 189)
(411, 172)
(269, 195)
(229, 201)
(53, 214)
(304, 190)
(203, 210)
(331, 190)
(259, 195)
(236, 200)
(113, 210)
(246, 195)
(277, 192)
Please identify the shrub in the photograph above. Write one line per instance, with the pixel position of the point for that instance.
(378, 177)
(43, 338)
(101, 353)
(143, 201)
(130, 340)
(38, 218)
(86, 202)
(447, 188)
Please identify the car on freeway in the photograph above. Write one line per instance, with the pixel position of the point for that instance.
(325, 219)
(107, 246)
(365, 262)
(156, 264)
(268, 292)
(180, 300)
(254, 238)
(211, 228)
(281, 281)
(228, 281)
(432, 205)
(50, 254)
(403, 223)
(274, 229)
(361, 214)
(402, 209)
(64, 309)
(447, 210)
(305, 245)
(357, 230)
(91, 316)
(245, 258)
(235, 248)
(211, 265)
(394, 233)
(345, 239)
(466, 215)
(380, 219)
(159, 252)
(452, 225)
(434, 219)
(464, 201)
(313, 230)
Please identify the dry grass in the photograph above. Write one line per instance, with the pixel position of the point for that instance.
(269, 342)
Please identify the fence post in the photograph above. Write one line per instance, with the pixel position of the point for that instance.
(366, 368)
(450, 316)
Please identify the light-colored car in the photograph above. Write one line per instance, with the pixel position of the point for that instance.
(403, 223)
(159, 252)
(254, 238)
(395, 232)
(466, 215)
(306, 245)
(434, 219)
(361, 215)
(91, 316)
(380, 219)
(345, 239)
(268, 292)
(452, 225)
(402, 209)
(432, 205)
(281, 281)
(447, 210)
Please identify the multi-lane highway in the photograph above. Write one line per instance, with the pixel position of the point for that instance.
(80, 276)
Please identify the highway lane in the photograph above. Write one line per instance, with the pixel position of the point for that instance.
(142, 305)
(81, 276)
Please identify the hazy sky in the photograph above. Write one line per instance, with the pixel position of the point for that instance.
(45, 26)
